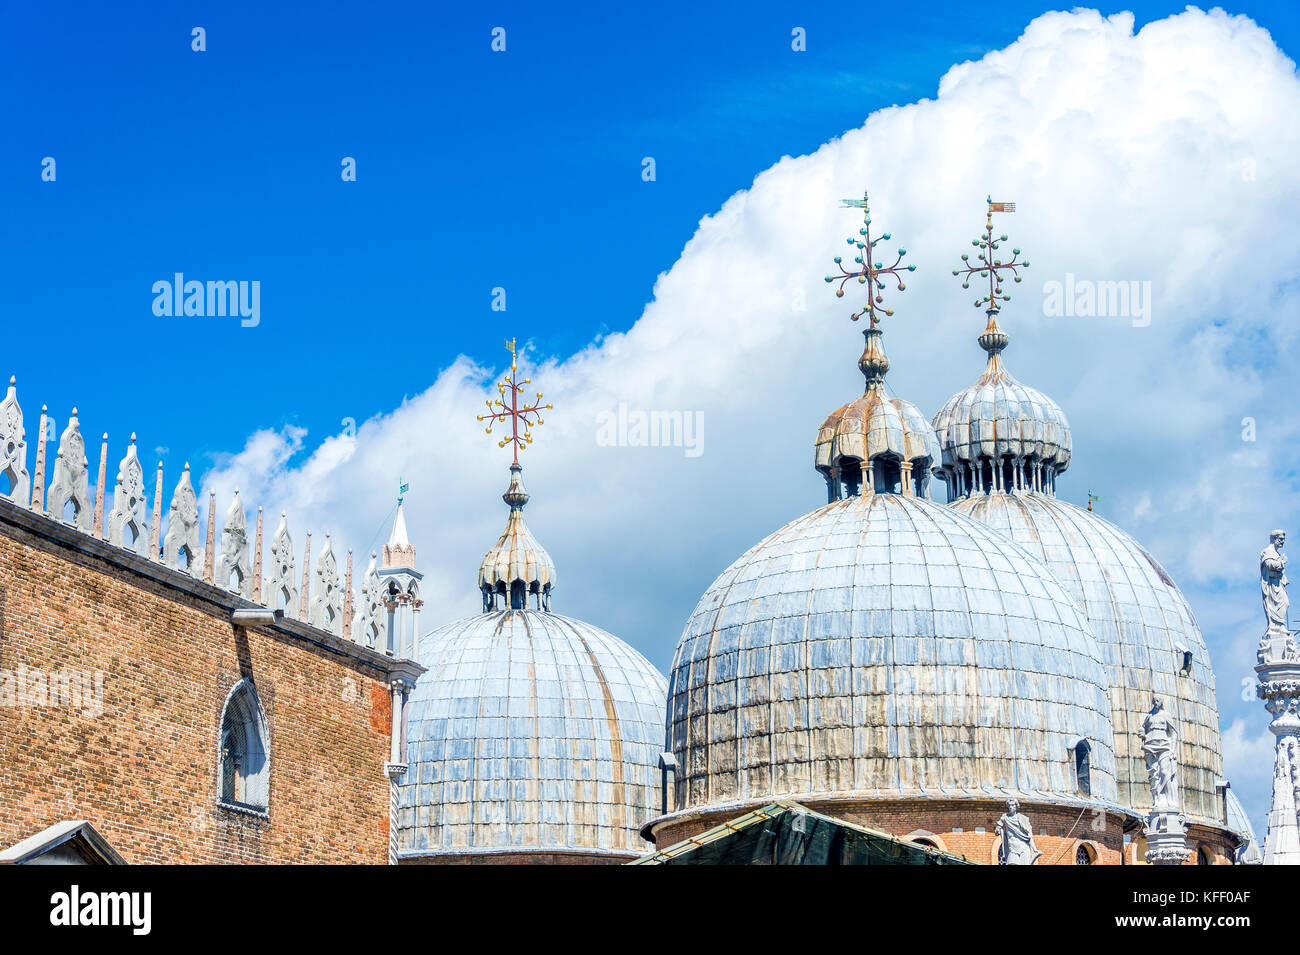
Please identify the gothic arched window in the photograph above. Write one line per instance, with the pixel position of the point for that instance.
(244, 756)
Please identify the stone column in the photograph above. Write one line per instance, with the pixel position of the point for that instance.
(905, 478)
(1279, 688)
(395, 768)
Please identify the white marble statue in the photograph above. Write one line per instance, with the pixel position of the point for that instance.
(1160, 747)
(1017, 837)
(1272, 585)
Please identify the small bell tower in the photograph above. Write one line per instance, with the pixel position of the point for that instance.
(399, 583)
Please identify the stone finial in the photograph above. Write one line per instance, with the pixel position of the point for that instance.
(281, 588)
(210, 550)
(101, 490)
(233, 561)
(70, 478)
(38, 475)
(306, 580)
(371, 627)
(257, 559)
(327, 602)
(183, 527)
(155, 522)
(13, 446)
(130, 511)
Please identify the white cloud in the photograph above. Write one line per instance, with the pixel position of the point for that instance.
(1162, 157)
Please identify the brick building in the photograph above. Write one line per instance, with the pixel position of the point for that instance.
(147, 691)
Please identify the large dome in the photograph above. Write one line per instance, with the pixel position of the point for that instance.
(885, 645)
(1147, 635)
(530, 732)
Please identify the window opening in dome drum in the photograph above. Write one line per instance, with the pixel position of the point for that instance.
(1083, 767)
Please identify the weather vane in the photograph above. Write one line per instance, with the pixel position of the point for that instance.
(987, 264)
(525, 415)
(869, 272)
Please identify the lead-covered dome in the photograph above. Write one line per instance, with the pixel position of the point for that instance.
(999, 433)
(532, 735)
(885, 645)
(1146, 633)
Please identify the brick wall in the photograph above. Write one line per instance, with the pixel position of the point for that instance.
(144, 772)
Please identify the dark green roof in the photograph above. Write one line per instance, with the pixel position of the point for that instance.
(786, 833)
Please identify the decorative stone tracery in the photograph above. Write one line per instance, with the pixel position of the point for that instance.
(281, 587)
(13, 447)
(233, 561)
(130, 506)
(182, 537)
(70, 484)
(327, 601)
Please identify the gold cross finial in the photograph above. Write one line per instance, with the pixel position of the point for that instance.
(987, 265)
(869, 273)
(525, 415)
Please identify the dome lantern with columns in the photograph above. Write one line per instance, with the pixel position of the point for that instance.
(1004, 446)
(534, 737)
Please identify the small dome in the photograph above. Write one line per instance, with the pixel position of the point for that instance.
(1249, 853)
(530, 732)
(516, 565)
(999, 433)
(1145, 631)
(885, 645)
(876, 434)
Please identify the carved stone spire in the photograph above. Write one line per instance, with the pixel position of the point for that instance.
(210, 551)
(347, 598)
(306, 579)
(101, 488)
(399, 551)
(13, 446)
(182, 538)
(38, 473)
(257, 559)
(155, 523)
(70, 477)
(128, 523)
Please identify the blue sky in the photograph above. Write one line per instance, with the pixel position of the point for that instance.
(523, 170)
(475, 170)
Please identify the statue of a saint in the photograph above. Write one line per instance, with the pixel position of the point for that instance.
(1160, 747)
(1017, 837)
(1272, 582)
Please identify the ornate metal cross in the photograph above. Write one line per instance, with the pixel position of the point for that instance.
(987, 264)
(525, 415)
(869, 273)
